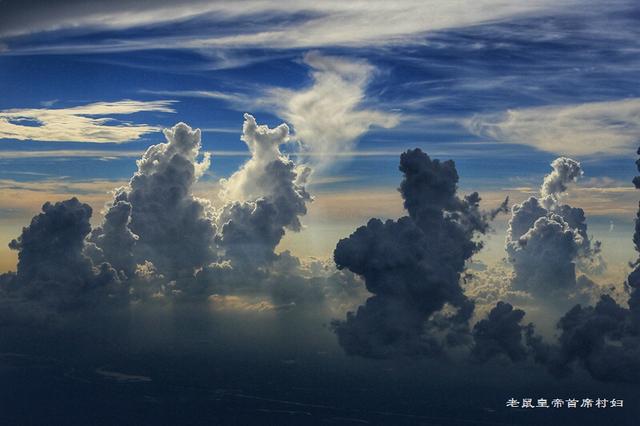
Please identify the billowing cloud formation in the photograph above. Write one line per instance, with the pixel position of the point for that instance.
(413, 265)
(165, 242)
(329, 117)
(547, 239)
(251, 230)
(79, 124)
(500, 333)
(165, 224)
(114, 239)
(565, 170)
(603, 339)
(226, 259)
(583, 129)
(263, 199)
(53, 270)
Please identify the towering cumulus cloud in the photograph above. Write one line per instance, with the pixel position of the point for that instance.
(546, 240)
(156, 218)
(500, 333)
(603, 339)
(264, 197)
(157, 239)
(53, 270)
(413, 265)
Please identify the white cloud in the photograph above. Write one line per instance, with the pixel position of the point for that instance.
(328, 117)
(326, 23)
(210, 94)
(87, 123)
(607, 128)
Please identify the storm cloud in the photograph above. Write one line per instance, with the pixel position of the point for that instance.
(603, 339)
(500, 333)
(166, 224)
(547, 242)
(53, 270)
(413, 265)
(157, 240)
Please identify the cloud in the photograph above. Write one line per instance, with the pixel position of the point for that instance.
(544, 258)
(331, 23)
(500, 334)
(87, 123)
(166, 224)
(412, 266)
(114, 240)
(604, 339)
(265, 196)
(53, 270)
(607, 128)
(239, 303)
(329, 117)
(565, 170)
(547, 240)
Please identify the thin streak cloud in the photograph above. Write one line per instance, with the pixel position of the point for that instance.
(86, 123)
(331, 23)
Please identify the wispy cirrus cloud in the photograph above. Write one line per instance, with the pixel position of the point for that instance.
(95, 153)
(607, 128)
(257, 23)
(93, 122)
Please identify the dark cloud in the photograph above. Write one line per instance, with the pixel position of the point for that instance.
(157, 216)
(158, 242)
(604, 339)
(543, 258)
(114, 240)
(500, 334)
(52, 267)
(547, 241)
(413, 265)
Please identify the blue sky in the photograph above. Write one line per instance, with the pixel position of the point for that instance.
(503, 88)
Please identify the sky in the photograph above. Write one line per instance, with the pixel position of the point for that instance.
(500, 88)
(91, 92)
